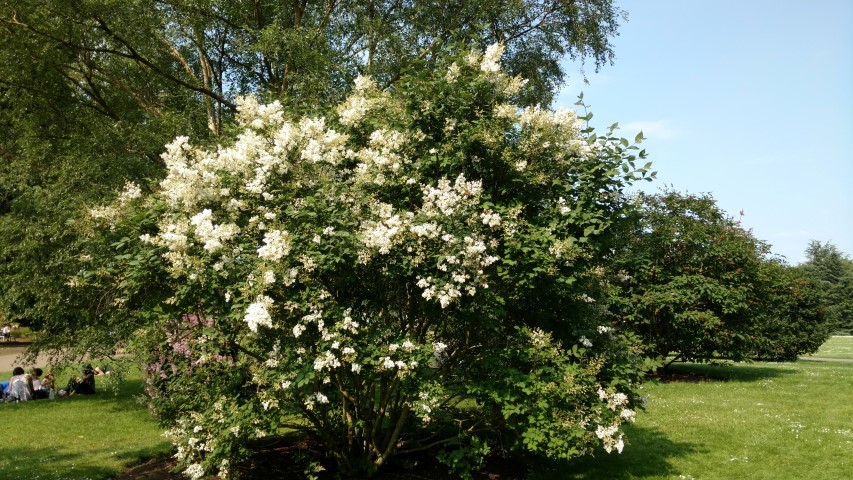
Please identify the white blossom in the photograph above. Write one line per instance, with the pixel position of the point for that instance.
(194, 471)
(258, 313)
(491, 62)
(276, 245)
(298, 329)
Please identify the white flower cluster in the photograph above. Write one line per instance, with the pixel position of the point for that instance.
(491, 62)
(276, 245)
(213, 236)
(465, 269)
(608, 438)
(608, 434)
(112, 212)
(424, 406)
(443, 199)
(250, 112)
(559, 129)
(381, 159)
(323, 145)
(383, 234)
(131, 191)
(461, 260)
(365, 97)
(195, 471)
(326, 361)
(613, 401)
(201, 185)
(316, 398)
(258, 313)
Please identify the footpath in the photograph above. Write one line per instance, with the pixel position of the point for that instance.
(10, 357)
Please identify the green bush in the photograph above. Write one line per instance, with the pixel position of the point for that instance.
(408, 272)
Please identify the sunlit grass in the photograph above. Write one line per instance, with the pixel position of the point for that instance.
(759, 421)
(751, 421)
(81, 437)
(836, 347)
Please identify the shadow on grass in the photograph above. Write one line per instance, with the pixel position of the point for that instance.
(732, 372)
(57, 463)
(647, 454)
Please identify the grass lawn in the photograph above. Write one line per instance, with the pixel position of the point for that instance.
(743, 421)
(759, 421)
(81, 437)
(836, 347)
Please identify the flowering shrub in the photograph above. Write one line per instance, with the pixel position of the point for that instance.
(409, 271)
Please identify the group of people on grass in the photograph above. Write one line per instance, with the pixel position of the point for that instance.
(24, 386)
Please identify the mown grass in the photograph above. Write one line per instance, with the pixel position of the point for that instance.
(836, 347)
(81, 437)
(751, 421)
(756, 421)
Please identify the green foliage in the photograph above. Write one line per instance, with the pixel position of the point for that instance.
(375, 277)
(90, 90)
(789, 318)
(832, 273)
(687, 278)
(691, 282)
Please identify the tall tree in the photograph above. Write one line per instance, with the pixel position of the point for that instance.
(688, 276)
(789, 318)
(696, 286)
(832, 271)
(91, 90)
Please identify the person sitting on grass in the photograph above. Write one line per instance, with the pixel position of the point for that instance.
(20, 386)
(84, 385)
(40, 390)
(48, 382)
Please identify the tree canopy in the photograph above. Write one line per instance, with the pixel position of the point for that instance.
(696, 286)
(91, 90)
(832, 272)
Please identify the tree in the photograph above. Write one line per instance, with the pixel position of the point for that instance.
(789, 319)
(688, 278)
(695, 285)
(374, 277)
(832, 272)
(92, 89)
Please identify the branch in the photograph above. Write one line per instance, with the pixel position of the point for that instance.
(392, 442)
(441, 442)
(136, 56)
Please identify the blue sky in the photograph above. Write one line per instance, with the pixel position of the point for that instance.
(750, 100)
